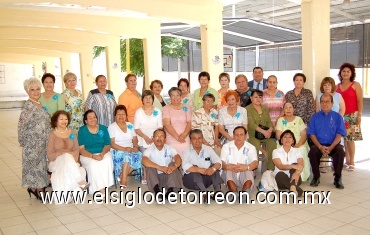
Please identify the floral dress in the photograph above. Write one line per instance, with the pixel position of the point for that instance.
(33, 134)
(275, 104)
(75, 107)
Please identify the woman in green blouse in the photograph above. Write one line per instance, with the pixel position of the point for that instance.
(204, 89)
(50, 100)
(258, 114)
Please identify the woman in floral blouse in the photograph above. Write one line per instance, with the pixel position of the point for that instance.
(74, 102)
(273, 98)
(301, 98)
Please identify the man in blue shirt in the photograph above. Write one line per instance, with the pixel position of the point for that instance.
(326, 128)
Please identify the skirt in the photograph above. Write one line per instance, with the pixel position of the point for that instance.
(66, 173)
(353, 130)
(100, 173)
(133, 159)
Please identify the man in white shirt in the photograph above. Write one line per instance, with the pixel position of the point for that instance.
(162, 162)
(201, 164)
(239, 159)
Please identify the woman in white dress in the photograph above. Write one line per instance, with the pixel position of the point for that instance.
(126, 155)
(95, 155)
(147, 119)
(63, 152)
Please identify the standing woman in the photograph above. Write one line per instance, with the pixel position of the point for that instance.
(328, 86)
(301, 98)
(130, 98)
(74, 102)
(203, 79)
(50, 100)
(224, 80)
(33, 134)
(102, 101)
(156, 87)
(273, 98)
(258, 116)
(177, 121)
(184, 85)
(351, 92)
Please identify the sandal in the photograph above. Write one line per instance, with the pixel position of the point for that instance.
(84, 186)
(345, 166)
(322, 169)
(144, 182)
(122, 186)
(351, 168)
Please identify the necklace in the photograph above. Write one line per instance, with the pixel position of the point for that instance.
(56, 129)
(37, 102)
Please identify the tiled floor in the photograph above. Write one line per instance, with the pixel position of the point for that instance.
(348, 213)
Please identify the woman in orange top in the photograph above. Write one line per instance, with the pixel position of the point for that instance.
(130, 98)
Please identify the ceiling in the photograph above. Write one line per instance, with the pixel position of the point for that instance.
(287, 13)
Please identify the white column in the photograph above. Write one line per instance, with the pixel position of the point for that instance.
(113, 60)
(87, 81)
(315, 42)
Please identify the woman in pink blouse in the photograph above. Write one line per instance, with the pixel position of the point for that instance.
(177, 121)
(273, 98)
(63, 152)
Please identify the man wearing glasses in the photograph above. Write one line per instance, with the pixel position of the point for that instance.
(326, 128)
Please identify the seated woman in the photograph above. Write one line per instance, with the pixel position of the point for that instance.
(94, 142)
(297, 126)
(258, 117)
(126, 155)
(62, 152)
(289, 164)
(231, 116)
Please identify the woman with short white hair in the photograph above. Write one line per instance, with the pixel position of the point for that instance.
(33, 133)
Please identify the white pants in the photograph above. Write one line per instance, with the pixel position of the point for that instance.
(100, 173)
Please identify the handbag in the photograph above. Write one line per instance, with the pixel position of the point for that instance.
(258, 135)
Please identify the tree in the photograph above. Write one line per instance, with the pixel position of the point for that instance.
(171, 47)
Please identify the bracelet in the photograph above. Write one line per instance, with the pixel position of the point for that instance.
(214, 169)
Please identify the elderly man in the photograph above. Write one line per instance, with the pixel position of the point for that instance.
(243, 90)
(258, 82)
(326, 128)
(201, 164)
(162, 163)
(239, 159)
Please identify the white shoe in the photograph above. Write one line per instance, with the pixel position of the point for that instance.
(144, 182)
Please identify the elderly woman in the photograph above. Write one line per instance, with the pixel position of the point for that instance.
(273, 98)
(224, 80)
(351, 92)
(259, 121)
(50, 100)
(184, 85)
(205, 119)
(177, 121)
(289, 164)
(63, 153)
(231, 116)
(203, 79)
(126, 155)
(159, 102)
(74, 102)
(295, 124)
(301, 98)
(130, 98)
(102, 101)
(95, 157)
(33, 133)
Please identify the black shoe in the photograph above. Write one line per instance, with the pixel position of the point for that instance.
(315, 182)
(29, 190)
(338, 183)
(300, 191)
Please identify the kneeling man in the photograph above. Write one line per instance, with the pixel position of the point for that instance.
(201, 164)
(162, 163)
(239, 159)
(326, 129)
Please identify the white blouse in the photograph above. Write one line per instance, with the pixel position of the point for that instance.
(286, 158)
(147, 124)
(121, 138)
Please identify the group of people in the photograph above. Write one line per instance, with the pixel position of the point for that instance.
(206, 138)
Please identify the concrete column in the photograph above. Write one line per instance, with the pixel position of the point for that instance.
(152, 56)
(65, 63)
(37, 68)
(212, 49)
(113, 59)
(87, 80)
(315, 42)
